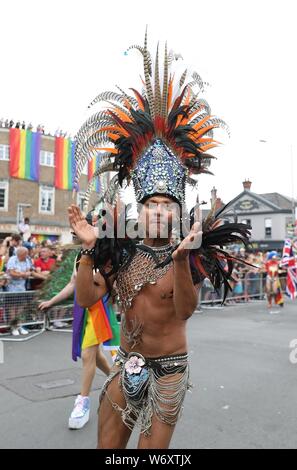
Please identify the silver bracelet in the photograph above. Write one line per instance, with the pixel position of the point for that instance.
(88, 252)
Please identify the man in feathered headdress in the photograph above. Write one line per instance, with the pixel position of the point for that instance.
(155, 140)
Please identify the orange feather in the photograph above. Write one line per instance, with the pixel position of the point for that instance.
(200, 123)
(170, 88)
(106, 149)
(208, 147)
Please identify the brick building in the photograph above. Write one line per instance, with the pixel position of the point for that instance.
(48, 205)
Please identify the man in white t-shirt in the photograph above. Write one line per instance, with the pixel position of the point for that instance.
(24, 229)
(19, 270)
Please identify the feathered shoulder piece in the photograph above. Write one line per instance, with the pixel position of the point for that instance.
(212, 260)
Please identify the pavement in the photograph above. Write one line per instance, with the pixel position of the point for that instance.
(244, 395)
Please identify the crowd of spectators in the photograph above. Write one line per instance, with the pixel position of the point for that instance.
(24, 266)
(10, 123)
(248, 279)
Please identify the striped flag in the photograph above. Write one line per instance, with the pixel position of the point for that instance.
(288, 261)
(92, 167)
(24, 152)
(64, 163)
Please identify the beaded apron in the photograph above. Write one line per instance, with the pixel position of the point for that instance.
(151, 387)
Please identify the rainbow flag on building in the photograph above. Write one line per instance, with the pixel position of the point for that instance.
(92, 167)
(64, 163)
(24, 152)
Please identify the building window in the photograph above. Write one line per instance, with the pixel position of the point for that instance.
(268, 228)
(3, 195)
(47, 158)
(81, 200)
(46, 200)
(4, 152)
(290, 227)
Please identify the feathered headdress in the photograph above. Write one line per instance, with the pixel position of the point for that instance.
(158, 137)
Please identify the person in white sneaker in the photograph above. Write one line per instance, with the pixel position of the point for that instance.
(88, 349)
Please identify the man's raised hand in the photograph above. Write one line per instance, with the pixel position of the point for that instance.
(84, 231)
(192, 241)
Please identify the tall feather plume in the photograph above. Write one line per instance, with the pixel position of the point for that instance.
(141, 49)
(183, 78)
(165, 86)
(158, 103)
(148, 85)
(108, 96)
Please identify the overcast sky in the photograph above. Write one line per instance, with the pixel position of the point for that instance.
(57, 55)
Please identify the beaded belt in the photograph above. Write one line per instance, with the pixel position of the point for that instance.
(155, 363)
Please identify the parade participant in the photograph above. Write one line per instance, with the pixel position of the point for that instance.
(156, 140)
(273, 285)
(92, 327)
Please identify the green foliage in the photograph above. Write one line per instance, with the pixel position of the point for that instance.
(60, 277)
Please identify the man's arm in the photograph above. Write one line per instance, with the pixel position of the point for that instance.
(89, 288)
(40, 275)
(17, 274)
(66, 292)
(185, 294)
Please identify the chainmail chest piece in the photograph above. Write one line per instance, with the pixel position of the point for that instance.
(138, 273)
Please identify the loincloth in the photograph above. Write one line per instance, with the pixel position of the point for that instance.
(151, 387)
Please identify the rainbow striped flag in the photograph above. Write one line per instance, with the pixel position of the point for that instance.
(24, 154)
(64, 163)
(2, 263)
(92, 167)
(40, 238)
(114, 342)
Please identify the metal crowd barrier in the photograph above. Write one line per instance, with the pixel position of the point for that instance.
(246, 289)
(23, 306)
(20, 308)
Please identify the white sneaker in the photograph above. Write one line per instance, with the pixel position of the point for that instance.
(80, 414)
(15, 332)
(22, 331)
(59, 324)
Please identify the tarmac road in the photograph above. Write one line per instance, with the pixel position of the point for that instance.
(244, 396)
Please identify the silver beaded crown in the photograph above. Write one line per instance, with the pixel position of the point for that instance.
(159, 171)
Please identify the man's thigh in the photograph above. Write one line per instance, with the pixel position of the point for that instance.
(160, 436)
(112, 432)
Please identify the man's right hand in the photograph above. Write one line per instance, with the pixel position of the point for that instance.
(84, 231)
(45, 305)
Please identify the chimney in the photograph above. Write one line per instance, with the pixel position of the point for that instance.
(213, 196)
(247, 185)
(219, 203)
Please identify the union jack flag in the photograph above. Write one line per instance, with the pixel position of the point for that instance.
(288, 261)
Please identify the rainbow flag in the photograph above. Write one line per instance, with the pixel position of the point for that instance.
(2, 263)
(92, 167)
(24, 154)
(40, 238)
(114, 342)
(64, 163)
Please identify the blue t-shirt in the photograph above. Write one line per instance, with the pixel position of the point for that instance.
(17, 285)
